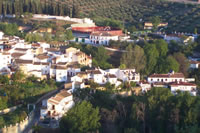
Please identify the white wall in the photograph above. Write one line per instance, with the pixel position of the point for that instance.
(61, 75)
(165, 80)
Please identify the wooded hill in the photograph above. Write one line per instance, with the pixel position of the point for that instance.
(181, 17)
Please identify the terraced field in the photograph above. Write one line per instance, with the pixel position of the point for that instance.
(181, 17)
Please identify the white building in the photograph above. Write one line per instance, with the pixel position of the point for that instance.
(125, 74)
(57, 106)
(179, 38)
(169, 38)
(145, 86)
(114, 76)
(183, 86)
(61, 74)
(194, 64)
(166, 78)
(102, 37)
(1, 35)
(5, 60)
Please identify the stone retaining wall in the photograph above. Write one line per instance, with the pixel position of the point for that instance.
(18, 127)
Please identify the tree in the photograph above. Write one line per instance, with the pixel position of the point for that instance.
(33, 37)
(18, 76)
(174, 47)
(4, 79)
(195, 31)
(162, 47)
(155, 21)
(82, 118)
(1, 121)
(183, 62)
(132, 29)
(140, 112)
(109, 86)
(122, 66)
(47, 37)
(172, 64)
(152, 55)
(76, 11)
(100, 58)
(130, 130)
(134, 58)
(69, 35)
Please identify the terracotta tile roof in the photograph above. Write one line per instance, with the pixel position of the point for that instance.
(175, 75)
(182, 84)
(42, 57)
(41, 63)
(96, 72)
(45, 63)
(21, 49)
(61, 63)
(19, 61)
(63, 94)
(73, 65)
(35, 45)
(6, 53)
(101, 33)
(17, 55)
(194, 62)
(58, 67)
(93, 71)
(61, 68)
(53, 102)
(52, 49)
(58, 97)
(79, 53)
(110, 76)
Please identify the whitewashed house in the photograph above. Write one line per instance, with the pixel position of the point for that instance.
(194, 64)
(56, 106)
(183, 86)
(97, 76)
(125, 74)
(5, 60)
(111, 78)
(102, 37)
(61, 74)
(1, 35)
(166, 78)
(145, 86)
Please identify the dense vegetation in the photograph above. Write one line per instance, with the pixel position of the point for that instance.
(21, 89)
(82, 118)
(181, 17)
(157, 111)
(13, 117)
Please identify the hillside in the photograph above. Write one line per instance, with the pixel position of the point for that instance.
(181, 17)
